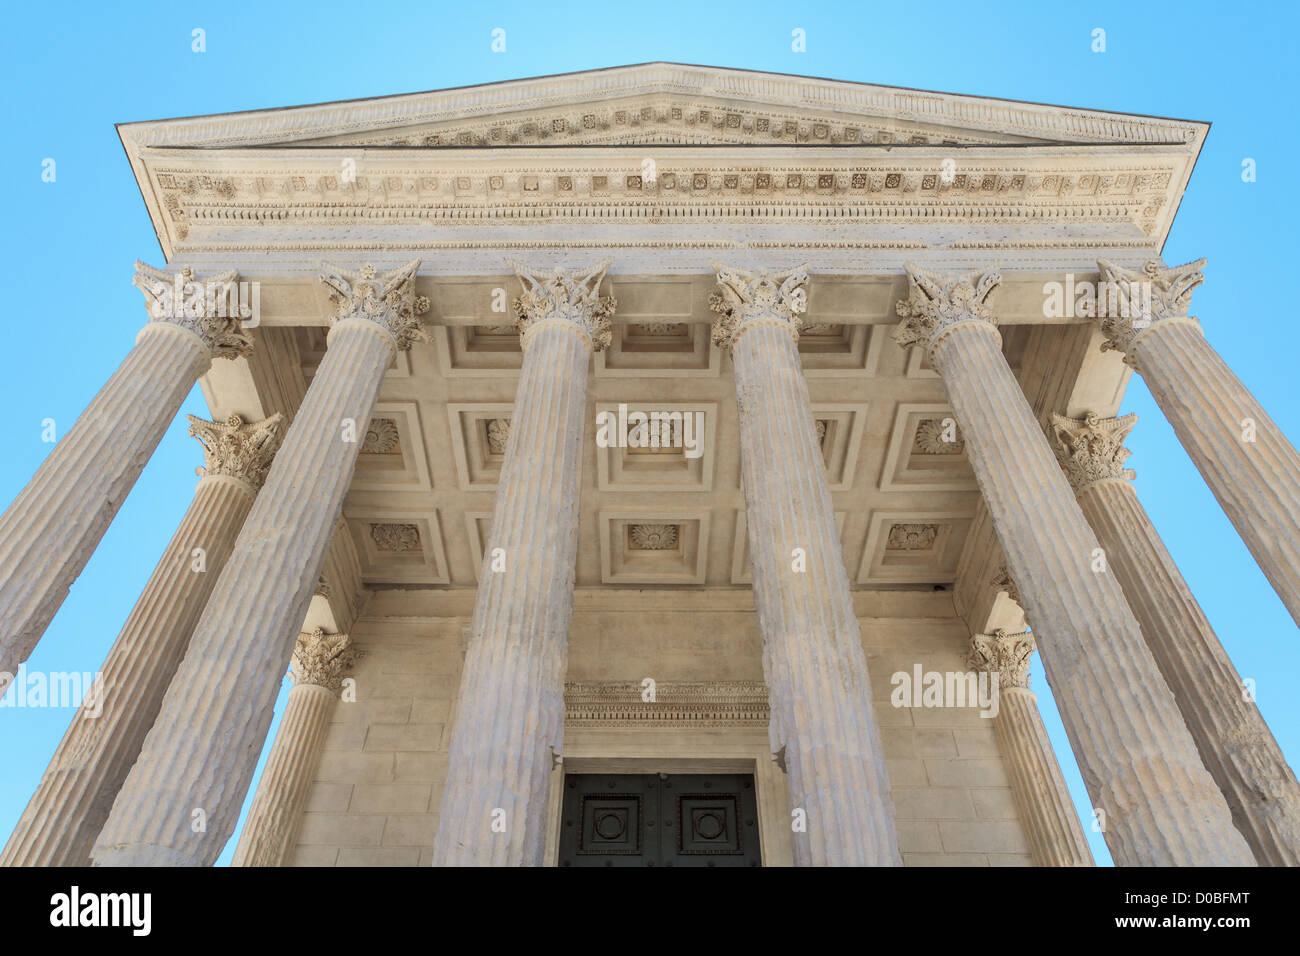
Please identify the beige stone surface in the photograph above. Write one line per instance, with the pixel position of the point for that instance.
(71, 803)
(1138, 760)
(509, 729)
(1051, 824)
(1250, 466)
(822, 726)
(51, 529)
(1234, 741)
(319, 662)
(182, 798)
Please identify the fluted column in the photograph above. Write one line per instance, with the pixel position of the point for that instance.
(1249, 465)
(1055, 835)
(822, 716)
(72, 801)
(1138, 760)
(319, 661)
(182, 798)
(509, 729)
(54, 525)
(1234, 741)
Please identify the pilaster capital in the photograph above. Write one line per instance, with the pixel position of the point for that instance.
(321, 659)
(1003, 581)
(1092, 448)
(388, 300)
(1145, 298)
(209, 307)
(935, 303)
(748, 298)
(1004, 654)
(559, 296)
(239, 449)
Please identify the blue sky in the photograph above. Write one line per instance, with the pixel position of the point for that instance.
(73, 70)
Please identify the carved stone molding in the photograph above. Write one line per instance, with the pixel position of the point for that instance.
(237, 448)
(935, 303)
(321, 659)
(573, 297)
(498, 435)
(932, 438)
(1169, 291)
(1006, 655)
(653, 537)
(381, 437)
(389, 300)
(745, 298)
(675, 703)
(1092, 448)
(395, 537)
(208, 307)
(912, 537)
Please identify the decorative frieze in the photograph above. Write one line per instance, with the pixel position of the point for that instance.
(665, 703)
(239, 449)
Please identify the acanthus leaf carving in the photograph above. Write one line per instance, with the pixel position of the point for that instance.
(207, 307)
(238, 449)
(388, 300)
(322, 659)
(746, 297)
(565, 296)
(1164, 293)
(1004, 654)
(936, 302)
(1092, 448)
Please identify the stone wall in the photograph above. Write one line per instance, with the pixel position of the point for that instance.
(381, 774)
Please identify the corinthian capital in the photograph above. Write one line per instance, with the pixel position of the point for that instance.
(1091, 449)
(1006, 655)
(935, 302)
(321, 659)
(746, 298)
(389, 300)
(573, 297)
(1144, 296)
(239, 449)
(208, 307)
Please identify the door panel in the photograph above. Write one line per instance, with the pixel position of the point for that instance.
(659, 820)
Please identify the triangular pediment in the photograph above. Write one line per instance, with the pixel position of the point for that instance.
(663, 104)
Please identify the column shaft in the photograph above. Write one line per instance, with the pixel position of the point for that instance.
(816, 670)
(1234, 741)
(510, 719)
(272, 823)
(70, 805)
(1055, 835)
(54, 525)
(1138, 760)
(1246, 461)
(182, 798)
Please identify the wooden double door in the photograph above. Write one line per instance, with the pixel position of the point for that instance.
(659, 820)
